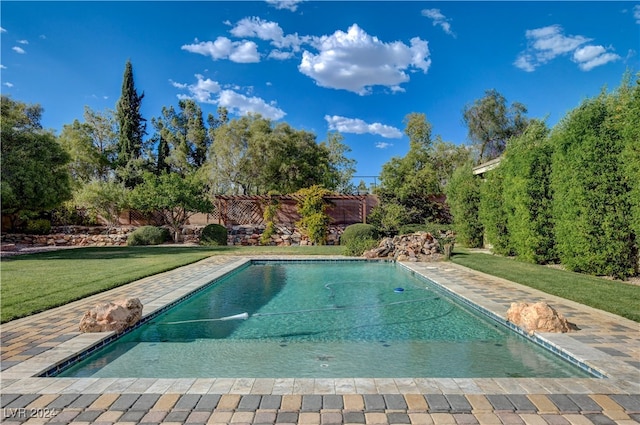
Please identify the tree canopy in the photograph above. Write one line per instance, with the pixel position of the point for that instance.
(251, 155)
(492, 123)
(416, 181)
(35, 177)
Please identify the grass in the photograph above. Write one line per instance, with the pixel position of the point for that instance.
(37, 282)
(615, 297)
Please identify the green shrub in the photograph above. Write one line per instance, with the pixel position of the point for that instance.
(591, 202)
(39, 226)
(214, 234)
(526, 168)
(357, 246)
(492, 214)
(388, 218)
(269, 215)
(148, 235)
(463, 197)
(314, 221)
(358, 231)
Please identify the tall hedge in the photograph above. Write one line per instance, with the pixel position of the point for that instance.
(463, 198)
(631, 153)
(592, 205)
(526, 169)
(492, 212)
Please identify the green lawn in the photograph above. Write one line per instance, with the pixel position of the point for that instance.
(615, 297)
(37, 282)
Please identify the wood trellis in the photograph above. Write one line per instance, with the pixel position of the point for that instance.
(239, 210)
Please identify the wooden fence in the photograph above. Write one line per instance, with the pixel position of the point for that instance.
(239, 210)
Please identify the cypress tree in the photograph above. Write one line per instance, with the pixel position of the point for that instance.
(131, 124)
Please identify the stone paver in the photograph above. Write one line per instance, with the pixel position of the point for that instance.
(607, 343)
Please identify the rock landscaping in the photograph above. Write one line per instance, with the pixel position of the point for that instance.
(419, 246)
(76, 236)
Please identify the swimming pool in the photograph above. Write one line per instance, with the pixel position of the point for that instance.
(322, 319)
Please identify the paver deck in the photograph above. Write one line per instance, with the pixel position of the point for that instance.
(605, 342)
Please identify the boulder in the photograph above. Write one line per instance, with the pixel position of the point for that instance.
(538, 317)
(112, 316)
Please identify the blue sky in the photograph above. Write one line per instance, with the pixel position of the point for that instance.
(356, 67)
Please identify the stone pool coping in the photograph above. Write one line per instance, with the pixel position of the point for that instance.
(607, 343)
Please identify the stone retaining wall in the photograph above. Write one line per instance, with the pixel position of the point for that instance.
(117, 236)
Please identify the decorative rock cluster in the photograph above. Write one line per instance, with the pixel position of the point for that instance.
(419, 246)
(112, 316)
(538, 317)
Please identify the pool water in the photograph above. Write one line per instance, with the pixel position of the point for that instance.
(322, 319)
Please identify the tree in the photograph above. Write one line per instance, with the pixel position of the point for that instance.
(527, 195)
(107, 199)
(592, 206)
(131, 129)
(184, 140)
(412, 181)
(492, 212)
(341, 168)
(35, 176)
(250, 155)
(463, 197)
(86, 162)
(176, 197)
(491, 124)
(631, 153)
(104, 134)
(91, 145)
(446, 157)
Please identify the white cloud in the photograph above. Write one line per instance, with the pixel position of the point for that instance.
(2, 30)
(291, 5)
(383, 145)
(201, 91)
(280, 55)
(358, 126)
(356, 61)
(23, 41)
(269, 31)
(242, 105)
(2, 66)
(588, 57)
(547, 43)
(209, 91)
(636, 13)
(438, 19)
(19, 50)
(8, 84)
(223, 48)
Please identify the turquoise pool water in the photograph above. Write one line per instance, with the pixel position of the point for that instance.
(322, 319)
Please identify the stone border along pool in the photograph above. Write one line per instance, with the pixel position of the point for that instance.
(608, 344)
